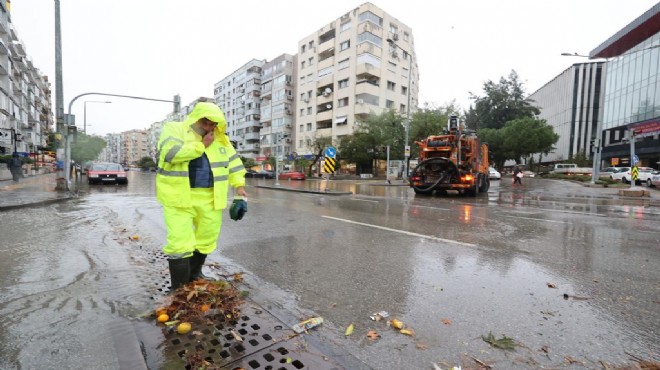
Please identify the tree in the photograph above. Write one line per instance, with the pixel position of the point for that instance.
(369, 138)
(248, 162)
(86, 148)
(429, 121)
(146, 163)
(502, 103)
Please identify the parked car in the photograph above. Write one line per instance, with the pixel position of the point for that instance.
(103, 173)
(655, 180)
(528, 174)
(250, 173)
(263, 174)
(607, 171)
(625, 175)
(291, 175)
(645, 174)
(494, 174)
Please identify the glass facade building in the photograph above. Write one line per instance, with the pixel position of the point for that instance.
(633, 85)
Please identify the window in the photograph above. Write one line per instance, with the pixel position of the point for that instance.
(309, 126)
(342, 83)
(389, 104)
(302, 48)
(402, 108)
(404, 90)
(309, 110)
(345, 45)
(391, 85)
(310, 61)
(302, 64)
(342, 102)
(369, 37)
(345, 26)
(302, 112)
(343, 64)
(371, 17)
(301, 129)
(393, 28)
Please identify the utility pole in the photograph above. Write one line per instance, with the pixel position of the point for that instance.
(59, 98)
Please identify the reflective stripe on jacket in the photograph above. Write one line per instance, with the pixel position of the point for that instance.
(179, 144)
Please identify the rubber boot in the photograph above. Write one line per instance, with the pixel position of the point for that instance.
(179, 272)
(196, 263)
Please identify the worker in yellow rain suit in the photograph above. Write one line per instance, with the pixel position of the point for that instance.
(196, 166)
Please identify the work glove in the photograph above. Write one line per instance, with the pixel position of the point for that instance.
(238, 208)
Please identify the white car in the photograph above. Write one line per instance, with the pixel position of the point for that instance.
(494, 174)
(654, 180)
(625, 175)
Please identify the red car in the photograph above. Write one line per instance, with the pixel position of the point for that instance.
(291, 175)
(103, 173)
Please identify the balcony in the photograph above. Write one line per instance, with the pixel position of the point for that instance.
(328, 62)
(327, 115)
(3, 48)
(367, 88)
(252, 136)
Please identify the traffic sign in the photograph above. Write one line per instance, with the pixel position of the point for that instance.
(330, 152)
(635, 159)
(634, 173)
(329, 165)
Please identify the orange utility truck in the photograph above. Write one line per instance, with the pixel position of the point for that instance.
(452, 161)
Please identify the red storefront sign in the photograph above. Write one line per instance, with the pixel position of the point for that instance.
(646, 128)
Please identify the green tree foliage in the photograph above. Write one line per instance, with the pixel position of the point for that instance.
(146, 163)
(503, 102)
(519, 139)
(248, 162)
(370, 137)
(86, 148)
(426, 122)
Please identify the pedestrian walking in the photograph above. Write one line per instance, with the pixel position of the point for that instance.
(517, 176)
(16, 167)
(196, 166)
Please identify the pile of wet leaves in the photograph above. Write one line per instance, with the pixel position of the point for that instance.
(194, 300)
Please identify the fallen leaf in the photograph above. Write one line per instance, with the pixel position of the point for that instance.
(396, 324)
(238, 277)
(373, 335)
(421, 346)
(551, 285)
(407, 332)
(446, 321)
(570, 360)
(349, 330)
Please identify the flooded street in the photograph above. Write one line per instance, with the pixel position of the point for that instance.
(563, 273)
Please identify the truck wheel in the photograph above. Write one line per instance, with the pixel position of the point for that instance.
(421, 191)
(485, 185)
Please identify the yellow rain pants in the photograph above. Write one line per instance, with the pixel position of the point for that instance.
(193, 228)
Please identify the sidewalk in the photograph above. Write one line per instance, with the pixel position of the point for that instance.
(31, 191)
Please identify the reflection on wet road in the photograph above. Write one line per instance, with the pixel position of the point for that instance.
(563, 275)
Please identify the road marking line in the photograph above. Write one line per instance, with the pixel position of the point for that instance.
(366, 200)
(430, 237)
(536, 219)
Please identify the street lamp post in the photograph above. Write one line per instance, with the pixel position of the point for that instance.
(85, 112)
(406, 148)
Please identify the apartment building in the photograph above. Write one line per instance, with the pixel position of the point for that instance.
(239, 96)
(135, 146)
(359, 64)
(25, 95)
(277, 108)
(572, 104)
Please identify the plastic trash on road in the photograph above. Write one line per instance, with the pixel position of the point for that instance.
(307, 324)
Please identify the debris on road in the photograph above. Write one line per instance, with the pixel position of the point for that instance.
(502, 343)
(373, 335)
(349, 330)
(379, 316)
(305, 325)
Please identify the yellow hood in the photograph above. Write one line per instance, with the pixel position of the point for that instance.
(213, 113)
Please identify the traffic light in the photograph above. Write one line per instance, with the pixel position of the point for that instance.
(177, 103)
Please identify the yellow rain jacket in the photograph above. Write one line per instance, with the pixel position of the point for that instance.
(179, 144)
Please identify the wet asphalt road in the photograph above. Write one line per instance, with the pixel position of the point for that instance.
(562, 275)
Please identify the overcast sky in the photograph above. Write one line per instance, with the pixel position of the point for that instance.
(158, 48)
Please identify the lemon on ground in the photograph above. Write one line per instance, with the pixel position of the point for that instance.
(184, 328)
(163, 317)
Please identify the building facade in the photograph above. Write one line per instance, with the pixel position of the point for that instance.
(632, 92)
(26, 115)
(359, 64)
(239, 96)
(572, 104)
(277, 108)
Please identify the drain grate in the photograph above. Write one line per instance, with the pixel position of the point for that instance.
(264, 341)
